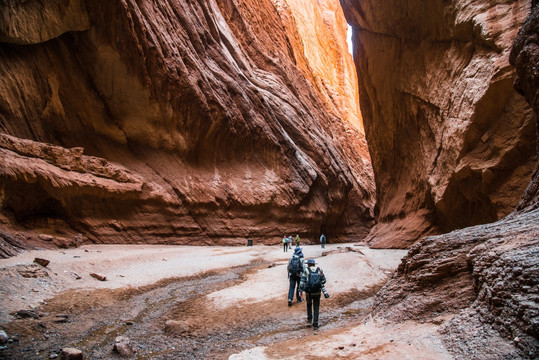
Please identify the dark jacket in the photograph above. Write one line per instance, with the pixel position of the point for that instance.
(302, 261)
(305, 275)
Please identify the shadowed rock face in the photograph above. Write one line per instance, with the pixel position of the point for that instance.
(481, 281)
(452, 143)
(174, 122)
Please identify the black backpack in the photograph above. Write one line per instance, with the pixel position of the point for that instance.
(295, 267)
(314, 283)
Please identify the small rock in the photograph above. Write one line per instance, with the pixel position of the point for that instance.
(272, 265)
(71, 354)
(42, 262)
(516, 340)
(98, 277)
(3, 337)
(53, 356)
(45, 237)
(354, 344)
(341, 347)
(25, 314)
(122, 347)
(61, 318)
(75, 276)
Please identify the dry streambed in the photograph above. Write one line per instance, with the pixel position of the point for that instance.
(194, 303)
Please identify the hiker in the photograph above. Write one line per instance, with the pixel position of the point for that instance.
(312, 283)
(297, 240)
(295, 268)
(323, 240)
(285, 244)
(289, 241)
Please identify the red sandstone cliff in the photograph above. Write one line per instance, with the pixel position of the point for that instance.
(173, 122)
(452, 143)
(479, 284)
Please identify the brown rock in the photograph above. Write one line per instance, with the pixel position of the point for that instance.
(45, 237)
(11, 245)
(481, 278)
(33, 271)
(98, 276)
(525, 57)
(71, 354)
(26, 314)
(122, 347)
(200, 130)
(452, 143)
(42, 262)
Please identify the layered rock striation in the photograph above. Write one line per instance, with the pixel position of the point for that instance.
(481, 283)
(174, 122)
(452, 143)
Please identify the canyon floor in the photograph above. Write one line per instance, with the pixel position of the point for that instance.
(186, 302)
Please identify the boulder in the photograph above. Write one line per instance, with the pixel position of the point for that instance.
(122, 347)
(42, 262)
(71, 354)
(3, 337)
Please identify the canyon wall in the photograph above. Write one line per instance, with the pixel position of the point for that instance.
(478, 284)
(452, 143)
(175, 122)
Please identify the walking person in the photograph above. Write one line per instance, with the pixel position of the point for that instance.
(312, 283)
(323, 241)
(295, 268)
(297, 240)
(285, 244)
(289, 241)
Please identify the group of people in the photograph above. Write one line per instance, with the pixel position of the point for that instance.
(287, 242)
(306, 278)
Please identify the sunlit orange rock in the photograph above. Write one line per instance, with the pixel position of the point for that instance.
(195, 122)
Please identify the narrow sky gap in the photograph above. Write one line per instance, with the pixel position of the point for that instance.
(349, 40)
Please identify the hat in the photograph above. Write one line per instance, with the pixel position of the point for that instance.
(311, 262)
(297, 250)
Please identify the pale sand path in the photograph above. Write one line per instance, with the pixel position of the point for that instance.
(138, 265)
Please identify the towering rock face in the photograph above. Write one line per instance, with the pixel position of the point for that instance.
(480, 283)
(452, 143)
(174, 122)
(321, 37)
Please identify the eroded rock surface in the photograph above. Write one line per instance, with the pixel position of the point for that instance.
(176, 122)
(485, 278)
(452, 143)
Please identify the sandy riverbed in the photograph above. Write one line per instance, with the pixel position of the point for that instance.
(231, 289)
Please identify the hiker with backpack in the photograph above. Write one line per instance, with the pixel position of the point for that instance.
(295, 269)
(323, 240)
(312, 283)
(285, 244)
